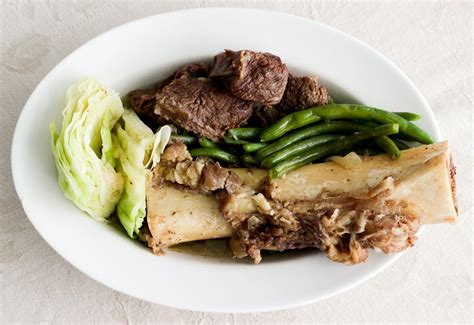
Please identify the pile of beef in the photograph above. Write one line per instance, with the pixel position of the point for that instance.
(239, 86)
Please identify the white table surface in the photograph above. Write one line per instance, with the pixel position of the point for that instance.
(431, 41)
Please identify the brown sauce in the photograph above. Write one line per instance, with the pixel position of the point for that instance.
(220, 248)
(209, 248)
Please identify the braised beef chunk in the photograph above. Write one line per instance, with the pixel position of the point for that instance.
(302, 93)
(142, 100)
(192, 102)
(143, 103)
(197, 105)
(208, 101)
(267, 115)
(196, 70)
(253, 76)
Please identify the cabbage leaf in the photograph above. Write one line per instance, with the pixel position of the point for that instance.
(138, 149)
(83, 150)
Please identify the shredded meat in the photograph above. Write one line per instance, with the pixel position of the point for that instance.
(145, 236)
(177, 152)
(176, 166)
(343, 227)
(214, 178)
(351, 233)
(285, 230)
(452, 174)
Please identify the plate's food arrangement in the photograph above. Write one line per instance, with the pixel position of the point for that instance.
(242, 149)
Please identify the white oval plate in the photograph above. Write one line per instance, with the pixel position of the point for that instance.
(146, 50)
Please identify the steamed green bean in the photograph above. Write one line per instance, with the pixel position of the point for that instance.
(307, 132)
(330, 148)
(216, 153)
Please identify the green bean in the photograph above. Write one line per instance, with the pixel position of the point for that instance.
(231, 141)
(371, 124)
(244, 133)
(330, 148)
(235, 150)
(409, 116)
(330, 112)
(352, 111)
(363, 112)
(252, 147)
(306, 158)
(400, 144)
(216, 153)
(404, 137)
(307, 132)
(411, 133)
(297, 148)
(248, 160)
(415, 133)
(206, 143)
(185, 138)
(388, 146)
(289, 122)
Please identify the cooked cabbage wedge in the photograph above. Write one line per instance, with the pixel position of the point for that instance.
(83, 149)
(137, 148)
